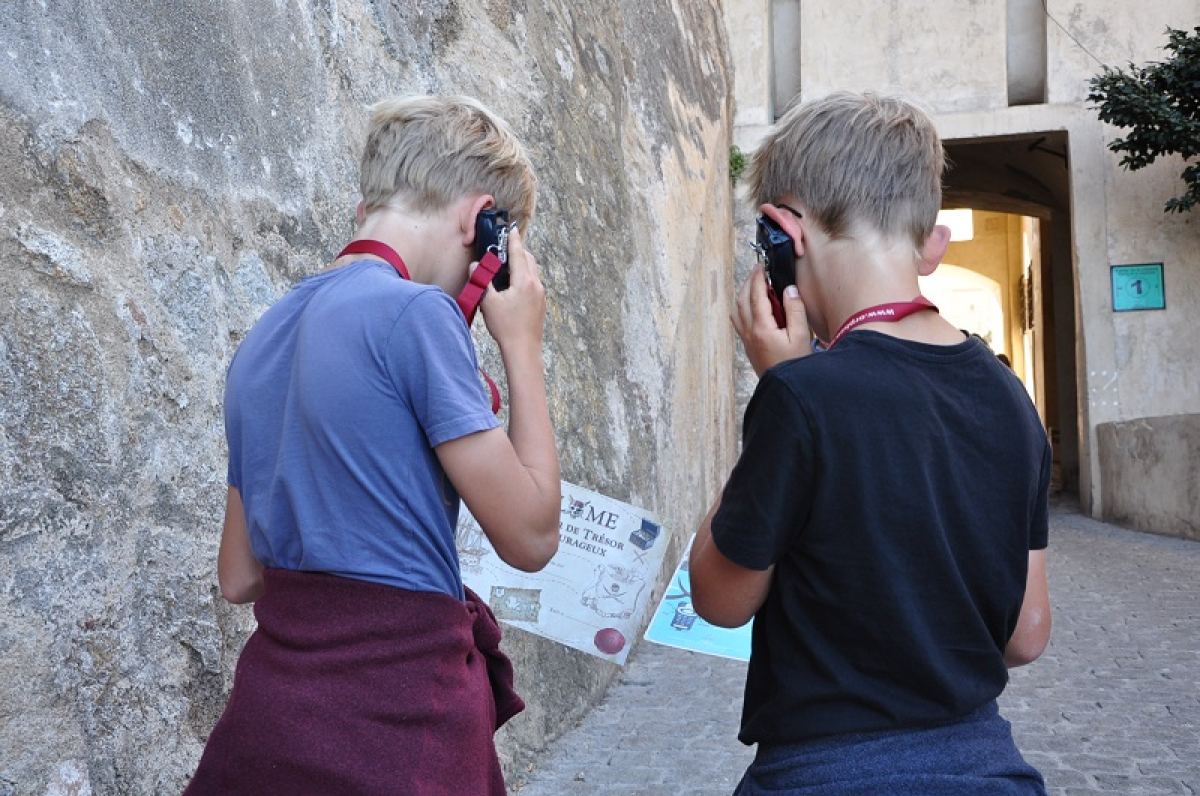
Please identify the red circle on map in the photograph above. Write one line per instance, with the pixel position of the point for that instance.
(610, 641)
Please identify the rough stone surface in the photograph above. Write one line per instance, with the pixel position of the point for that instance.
(166, 172)
(744, 215)
(1112, 706)
(898, 49)
(1150, 473)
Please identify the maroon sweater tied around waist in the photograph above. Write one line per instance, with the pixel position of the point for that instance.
(351, 687)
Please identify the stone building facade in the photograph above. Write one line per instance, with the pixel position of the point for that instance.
(1007, 81)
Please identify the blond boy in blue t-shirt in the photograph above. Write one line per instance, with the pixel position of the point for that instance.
(356, 418)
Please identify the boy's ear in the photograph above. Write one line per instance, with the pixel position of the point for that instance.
(789, 223)
(934, 249)
(359, 214)
(471, 211)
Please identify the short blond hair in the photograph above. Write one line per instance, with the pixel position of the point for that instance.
(854, 158)
(432, 150)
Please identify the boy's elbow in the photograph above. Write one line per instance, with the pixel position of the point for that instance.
(708, 614)
(718, 614)
(723, 593)
(240, 591)
(536, 558)
(533, 559)
(539, 546)
(1029, 642)
(1022, 654)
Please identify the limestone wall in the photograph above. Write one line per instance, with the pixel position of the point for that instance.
(1151, 473)
(166, 171)
(949, 54)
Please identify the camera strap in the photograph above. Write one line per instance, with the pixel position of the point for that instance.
(472, 292)
(883, 313)
(776, 306)
(468, 300)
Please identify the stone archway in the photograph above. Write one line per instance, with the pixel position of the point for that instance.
(1022, 183)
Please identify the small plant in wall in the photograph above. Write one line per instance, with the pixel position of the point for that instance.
(737, 163)
(1159, 103)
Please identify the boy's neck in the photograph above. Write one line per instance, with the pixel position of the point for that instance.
(428, 244)
(856, 278)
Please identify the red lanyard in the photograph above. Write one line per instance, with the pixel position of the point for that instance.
(467, 302)
(884, 313)
(472, 293)
(379, 249)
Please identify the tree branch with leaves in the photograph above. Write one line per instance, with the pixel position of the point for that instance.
(1159, 103)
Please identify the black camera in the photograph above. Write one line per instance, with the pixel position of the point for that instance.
(491, 235)
(777, 253)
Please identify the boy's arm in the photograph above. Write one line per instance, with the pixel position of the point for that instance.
(510, 482)
(238, 571)
(1029, 640)
(723, 593)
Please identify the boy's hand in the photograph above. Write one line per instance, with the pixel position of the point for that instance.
(765, 343)
(517, 316)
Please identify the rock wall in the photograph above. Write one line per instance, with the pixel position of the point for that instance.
(168, 170)
(1150, 472)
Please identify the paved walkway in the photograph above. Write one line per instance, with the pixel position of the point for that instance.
(1113, 706)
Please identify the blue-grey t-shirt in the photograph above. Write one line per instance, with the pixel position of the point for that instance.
(333, 405)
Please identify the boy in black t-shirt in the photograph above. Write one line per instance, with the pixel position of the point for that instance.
(886, 524)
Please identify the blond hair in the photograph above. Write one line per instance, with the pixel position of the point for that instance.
(854, 158)
(429, 151)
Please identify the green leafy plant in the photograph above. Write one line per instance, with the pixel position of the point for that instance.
(1159, 103)
(737, 163)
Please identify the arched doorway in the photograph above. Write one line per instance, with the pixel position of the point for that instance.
(1017, 192)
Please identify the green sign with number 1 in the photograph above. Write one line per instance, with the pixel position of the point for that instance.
(1138, 287)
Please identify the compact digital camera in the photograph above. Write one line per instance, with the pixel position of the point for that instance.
(777, 253)
(491, 234)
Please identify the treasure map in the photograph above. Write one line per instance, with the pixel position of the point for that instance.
(594, 593)
(675, 624)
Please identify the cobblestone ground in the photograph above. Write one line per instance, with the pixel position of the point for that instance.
(1112, 707)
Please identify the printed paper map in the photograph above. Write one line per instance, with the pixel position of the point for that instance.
(593, 594)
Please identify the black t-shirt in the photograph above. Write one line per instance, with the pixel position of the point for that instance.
(898, 488)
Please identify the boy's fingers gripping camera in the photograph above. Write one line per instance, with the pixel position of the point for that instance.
(491, 235)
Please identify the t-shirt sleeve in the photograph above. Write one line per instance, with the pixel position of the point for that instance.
(1039, 526)
(431, 361)
(767, 496)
